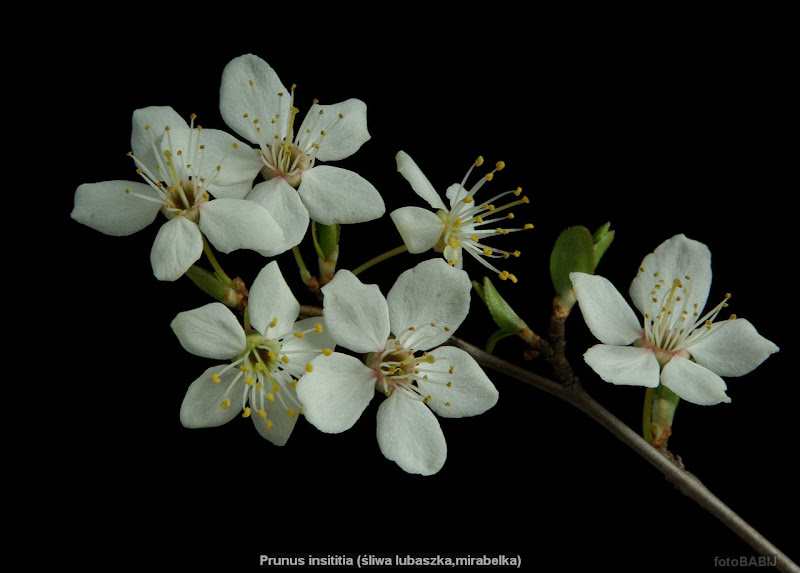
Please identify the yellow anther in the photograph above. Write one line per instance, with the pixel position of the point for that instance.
(528, 226)
(516, 253)
(276, 388)
(468, 199)
(246, 413)
(246, 115)
(430, 359)
(219, 167)
(510, 215)
(513, 278)
(474, 238)
(249, 381)
(274, 322)
(479, 161)
(299, 334)
(503, 275)
(453, 263)
(271, 356)
(452, 369)
(489, 176)
(341, 116)
(453, 243)
(433, 324)
(518, 192)
(291, 412)
(166, 128)
(449, 384)
(318, 328)
(732, 317)
(447, 329)
(327, 351)
(688, 277)
(457, 223)
(525, 199)
(269, 424)
(426, 399)
(147, 127)
(727, 295)
(225, 404)
(262, 413)
(309, 367)
(487, 251)
(260, 367)
(447, 404)
(285, 359)
(259, 386)
(491, 207)
(293, 383)
(128, 191)
(252, 83)
(235, 145)
(500, 165)
(270, 396)
(215, 378)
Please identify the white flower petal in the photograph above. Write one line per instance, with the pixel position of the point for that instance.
(457, 384)
(675, 258)
(271, 299)
(608, 316)
(211, 331)
(282, 202)
(455, 193)
(332, 194)
(202, 405)
(431, 293)
(148, 130)
(343, 135)
(232, 224)
(419, 228)
(177, 246)
(419, 183)
(409, 435)
(624, 365)
(228, 165)
(732, 348)
(356, 314)
(694, 383)
(249, 91)
(336, 392)
(301, 351)
(277, 426)
(108, 208)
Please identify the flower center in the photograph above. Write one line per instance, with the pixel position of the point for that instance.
(285, 153)
(468, 224)
(177, 176)
(672, 323)
(265, 371)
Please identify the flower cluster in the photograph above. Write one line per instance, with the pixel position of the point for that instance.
(263, 188)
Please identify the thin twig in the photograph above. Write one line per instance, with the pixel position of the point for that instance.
(684, 481)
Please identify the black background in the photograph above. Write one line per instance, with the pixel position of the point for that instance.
(660, 128)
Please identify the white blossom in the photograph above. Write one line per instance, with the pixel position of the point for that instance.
(677, 344)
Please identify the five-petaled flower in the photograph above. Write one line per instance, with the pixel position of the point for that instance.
(402, 336)
(676, 344)
(464, 226)
(256, 105)
(265, 360)
(182, 166)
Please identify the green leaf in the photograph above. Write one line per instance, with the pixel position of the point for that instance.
(502, 313)
(574, 251)
(495, 338)
(602, 240)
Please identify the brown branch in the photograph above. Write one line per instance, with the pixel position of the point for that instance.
(684, 481)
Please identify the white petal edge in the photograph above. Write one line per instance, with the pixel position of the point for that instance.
(231, 224)
(675, 258)
(202, 405)
(694, 383)
(624, 365)
(732, 348)
(285, 206)
(608, 316)
(282, 423)
(419, 228)
(336, 392)
(108, 207)
(433, 298)
(211, 331)
(335, 195)
(469, 393)
(147, 131)
(409, 435)
(419, 182)
(271, 301)
(177, 246)
(345, 127)
(356, 314)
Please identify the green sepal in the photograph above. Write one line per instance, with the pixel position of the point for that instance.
(210, 284)
(502, 313)
(602, 240)
(574, 251)
(495, 338)
(326, 240)
(479, 289)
